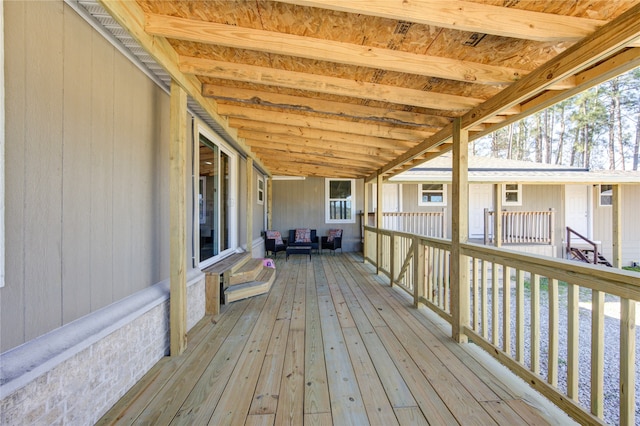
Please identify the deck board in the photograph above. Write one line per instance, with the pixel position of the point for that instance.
(331, 343)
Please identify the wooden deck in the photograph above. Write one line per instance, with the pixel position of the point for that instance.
(329, 344)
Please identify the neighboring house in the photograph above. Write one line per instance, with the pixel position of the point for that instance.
(580, 199)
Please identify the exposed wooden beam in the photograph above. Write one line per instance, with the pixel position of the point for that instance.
(266, 140)
(288, 168)
(223, 94)
(601, 45)
(131, 17)
(468, 16)
(338, 125)
(327, 50)
(318, 154)
(324, 84)
(260, 130)
(334, 161)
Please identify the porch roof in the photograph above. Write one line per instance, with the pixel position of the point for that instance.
(357, 89)
(498, 170)
(329, 344)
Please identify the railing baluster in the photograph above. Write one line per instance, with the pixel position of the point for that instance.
(506, 310)
(535, 323)
(447, 281)
(597, 353)
(573, 324)
(552, 366)
(627, 361)
(494, 303)
(474, 281)
(520, 316)
(484, 304)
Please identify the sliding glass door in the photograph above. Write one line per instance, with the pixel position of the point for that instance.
(214, 199)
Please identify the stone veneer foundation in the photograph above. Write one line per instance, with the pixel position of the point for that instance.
(82, 369)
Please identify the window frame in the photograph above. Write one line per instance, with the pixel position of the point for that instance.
(600, 204)
(432, 203)
(518, 191)
(328, 201)
(202, 130)
(260, 191)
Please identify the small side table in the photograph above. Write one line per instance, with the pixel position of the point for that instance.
(298, 250)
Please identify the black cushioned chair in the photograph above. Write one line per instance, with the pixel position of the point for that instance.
(271, 245)
(328, 243)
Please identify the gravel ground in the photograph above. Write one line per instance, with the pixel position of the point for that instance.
(612, 345)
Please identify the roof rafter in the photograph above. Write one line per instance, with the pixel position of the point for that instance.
(334, 124)
(327, 50)
(324, 84)
(468, 16)
(308, 104)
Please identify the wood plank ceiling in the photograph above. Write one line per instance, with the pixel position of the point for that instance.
(353, 88)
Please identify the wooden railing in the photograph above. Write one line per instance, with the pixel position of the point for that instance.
(430, 224)
(535, 227)
(519, 304)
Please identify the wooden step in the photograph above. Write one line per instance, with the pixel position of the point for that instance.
(213, 279)
(253, 288)
(249, 271)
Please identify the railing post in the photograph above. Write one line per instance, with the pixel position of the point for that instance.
(379, 218)
(460, 233)
(394, 254)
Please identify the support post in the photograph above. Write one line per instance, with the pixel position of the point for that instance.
(460, 233)
(250, 201)
(379, 222)
(178, 220)
(269, 203)
(616, 223)
(365, 221)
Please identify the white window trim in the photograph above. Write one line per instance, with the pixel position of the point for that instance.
(327, 200)
(260, 192)
(504, 195)
(429, 203)
(203, 129)
(600, 196)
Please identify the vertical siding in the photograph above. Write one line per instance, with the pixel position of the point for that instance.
(101, 177)
(43, 167)
(12, 294)
(76, 165)
(87, 162)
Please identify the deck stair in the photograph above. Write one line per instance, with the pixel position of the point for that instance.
(236, 277)
(583, 249)
(586, 255)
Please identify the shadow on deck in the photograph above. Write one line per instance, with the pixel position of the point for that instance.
(329, 344)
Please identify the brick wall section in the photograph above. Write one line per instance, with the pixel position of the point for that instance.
(81, 389)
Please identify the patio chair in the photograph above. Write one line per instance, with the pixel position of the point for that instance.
(333, 241)
(274, 243)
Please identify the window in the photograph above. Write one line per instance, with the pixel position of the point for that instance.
(215, 202)
(340, 201)
(512, 194)
(260, 190)
(605, 195)
(432, 194)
